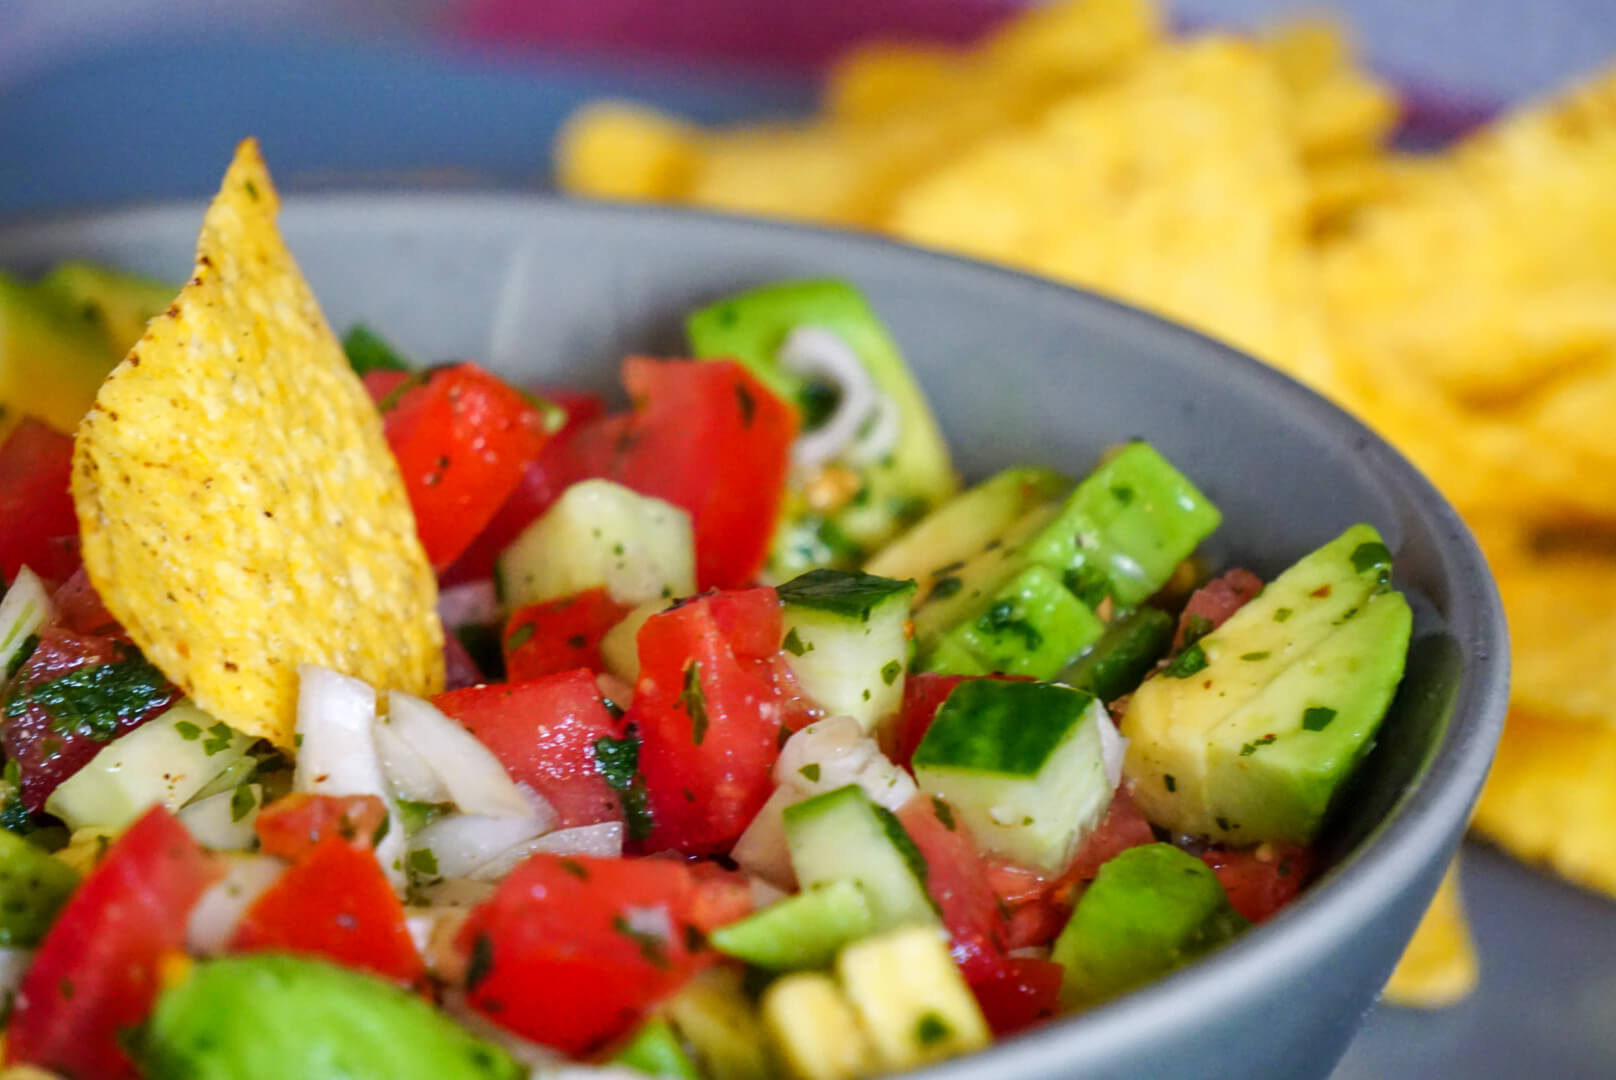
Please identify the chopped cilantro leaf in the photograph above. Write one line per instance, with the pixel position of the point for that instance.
(694, 702)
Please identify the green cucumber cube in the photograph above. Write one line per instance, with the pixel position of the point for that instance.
(1123, 656)
(843, 836)
(801, 931)
(655, 1050)
(845, 641)
(1021, 762)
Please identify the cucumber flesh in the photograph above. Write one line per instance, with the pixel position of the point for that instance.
(843, 836)
(846, 641)
(801, 931)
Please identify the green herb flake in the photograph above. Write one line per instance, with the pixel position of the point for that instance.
(422, 861)
(1373, 555)
(810, 772)
(481, 964)
(1122, 493)
(95, 702)
(1186, 663)
(578, 641)
(1223, 823)
(1282, 614)
(1001, 620)
(383, 827)
(931, 1030)
(242, 802)
(944, 812)
(694, 702)
(944, 588)
(1261, 655)
(618, 761)
(890, 672)
(1251, 747)
(220, 737)
(29, 644)
(1196, 627)
(652, 948)
(746, 402)
(1317, 718)
(520, 636)
(1170, 781)
(575, 868)
(367, 351)
(187, 730)
(794, 644)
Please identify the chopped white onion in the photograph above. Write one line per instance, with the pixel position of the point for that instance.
(26, 607)
(470, 603)
(814, 351)
(652, 920)
(215, 823)
(216, 915)
(764, 894)
(761, 850)
(336, 721)
(604, 840)
(460, 843)
(476, 781)
(878, 435)
(1113, 747)
(843, 755)
(13, 964)
(409, 773)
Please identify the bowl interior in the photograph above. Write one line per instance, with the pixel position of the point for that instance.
(1017, 369)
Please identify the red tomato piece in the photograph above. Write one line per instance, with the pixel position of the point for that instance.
(293, 826)
(706, 436)
(1211, 605)
(384, 385)
(47, 748)
(79, 608)
(544, 732)
(957, 878)
(462, 439)
(335, 902)
(709, 715)
(96, 972)
(1122, 827)
(542, 482)
(1024, 993)
(561, 635)
(41, 529)
(1261, 881)
(459, 669)
(571, 951)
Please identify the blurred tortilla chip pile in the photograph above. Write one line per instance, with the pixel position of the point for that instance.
(240, 510)
(1463, 302)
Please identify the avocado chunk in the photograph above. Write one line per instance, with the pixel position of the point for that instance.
(119, 303)
(801, 931)
(267, 1016)
(846, 641)
(962, 527)
(1123, 656)
(911, 997)
(655, 1051)
(816, 1031)
(1151, 909)
(1249, 733)
(33, 887)
(52, 358)
(1031, 626)
(1021, 763)
(896, 460)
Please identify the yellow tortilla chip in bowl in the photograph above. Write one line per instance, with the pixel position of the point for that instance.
(240, 510)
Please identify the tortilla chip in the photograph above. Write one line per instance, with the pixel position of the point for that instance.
(240, 509)
(1439, 966)
(619, 150)
(1551, 799)
(1337, 108)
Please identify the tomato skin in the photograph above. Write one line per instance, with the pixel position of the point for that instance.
(709, 713)
(462, 439)
(79, 608)
(45, 757)
(1123, 827)
(1262, 881)
(544, 732)
(957, 878)
(334, 902)
(706, 436)
(294, 825)
(1215, 601)
(41, 529)
(561, 635)
(1026, 992)
(543, 480)
(559, 953)
(96, 972)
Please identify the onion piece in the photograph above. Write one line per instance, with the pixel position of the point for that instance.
(460, 843)
(844, 755)
(477, 783)
(216, 915)
(1113, 746)
(26, 607)
(336, 721)
(604, 840)
(13, 964)
(816, 351)
(410, 774)
(761, 850)
(217, 822)
(474, 602)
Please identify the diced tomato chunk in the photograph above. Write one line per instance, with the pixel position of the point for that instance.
(1210, 606)
(706, 436)
(79, 608)
(47, 747)
(544, 731)
(382, 385)
(293, 826)
(96, 972)
(1123, 827)
(957, 878)
(462, 439)
(1025, 992)
(335, 902)
(561, 635)
(571, 951)
(709, 714)
(40, 529)
(543, 480)
(1261, 881)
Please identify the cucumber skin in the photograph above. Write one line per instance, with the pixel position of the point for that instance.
(1122, 657)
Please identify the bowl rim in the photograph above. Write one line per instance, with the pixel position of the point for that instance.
(1386, 861)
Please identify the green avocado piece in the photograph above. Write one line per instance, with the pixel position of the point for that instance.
(33, 887)
(266, 1016)
(1151, 909)
(1249, 733)
(52, 357)
(801, 931)
(120, 304)
(1125, 653)
(655, 1051)
(895, 490)
(716, 1018)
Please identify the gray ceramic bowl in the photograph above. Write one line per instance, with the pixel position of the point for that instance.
(1018, 370)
